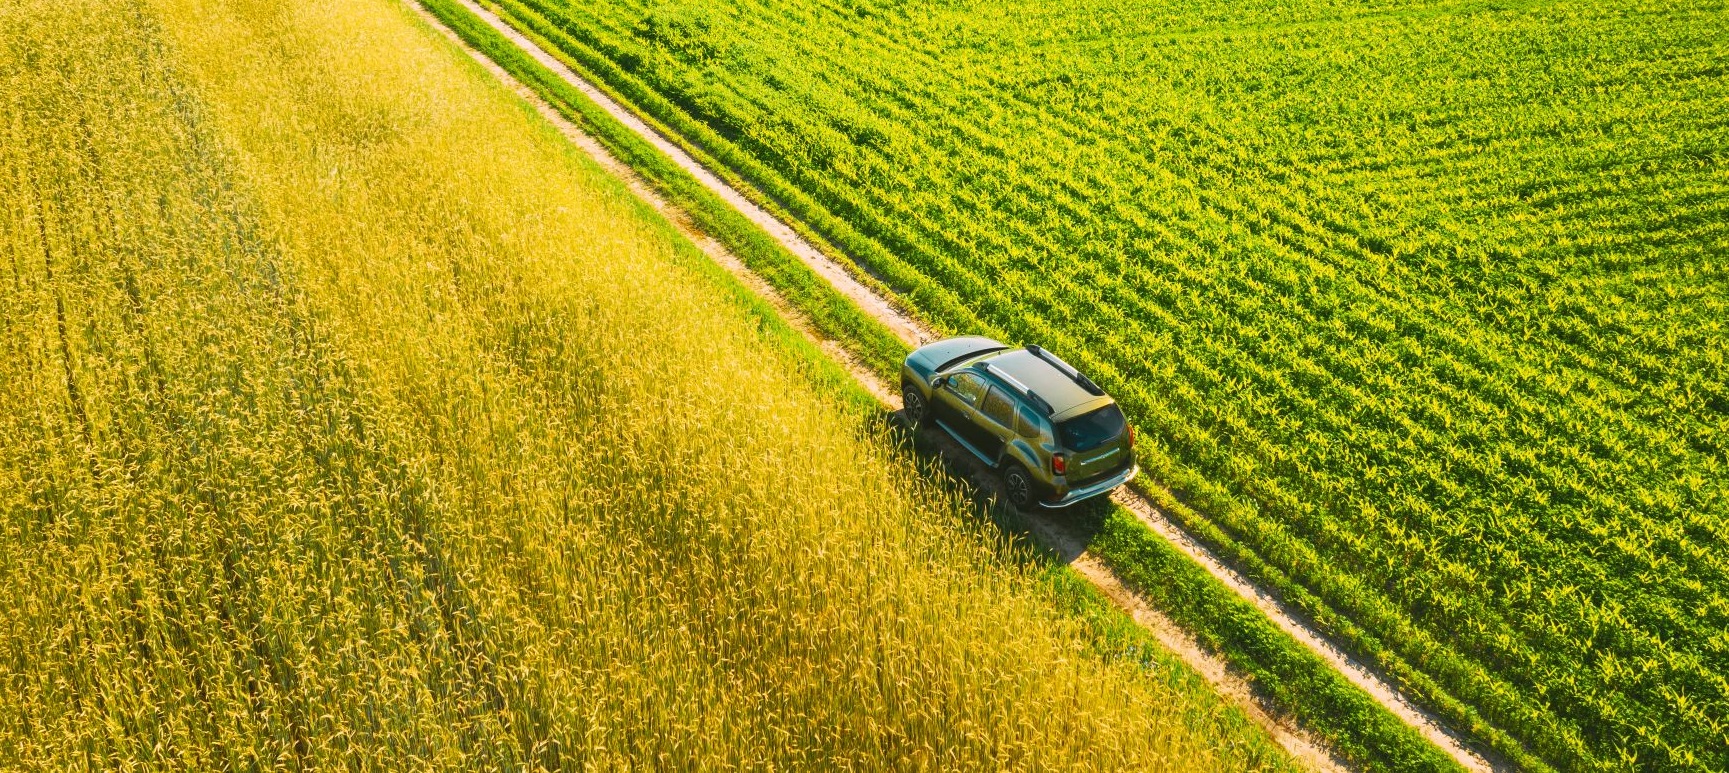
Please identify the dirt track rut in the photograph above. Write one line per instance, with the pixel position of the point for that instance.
(1047, 529)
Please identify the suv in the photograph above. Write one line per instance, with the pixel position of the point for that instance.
(1055, 436)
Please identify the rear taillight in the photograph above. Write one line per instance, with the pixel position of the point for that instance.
(1060, 463)
(1131, 434)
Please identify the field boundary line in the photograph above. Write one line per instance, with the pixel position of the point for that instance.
(909, 330)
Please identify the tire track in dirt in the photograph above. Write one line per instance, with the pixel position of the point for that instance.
(1070, 546)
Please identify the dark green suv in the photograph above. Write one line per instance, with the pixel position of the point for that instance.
(1054, 435)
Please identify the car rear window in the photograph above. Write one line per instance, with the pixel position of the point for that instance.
(1089, 431)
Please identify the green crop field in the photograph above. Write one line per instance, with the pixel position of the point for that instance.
(350, 418)
(1422, 308)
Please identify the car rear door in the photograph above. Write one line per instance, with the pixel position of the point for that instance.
(996, 421)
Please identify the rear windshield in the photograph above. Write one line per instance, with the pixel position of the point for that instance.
(1084, 433)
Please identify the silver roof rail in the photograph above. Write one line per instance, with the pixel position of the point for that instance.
(1032, 397)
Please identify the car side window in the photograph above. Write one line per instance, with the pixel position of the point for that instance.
(999, 408)
(1026, 422)
(968, 386)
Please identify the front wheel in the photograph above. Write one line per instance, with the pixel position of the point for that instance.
(913, 405)
(1018, 486)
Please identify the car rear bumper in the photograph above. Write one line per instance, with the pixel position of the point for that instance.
(1093, 489)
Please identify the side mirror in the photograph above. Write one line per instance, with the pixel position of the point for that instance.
(940, 382)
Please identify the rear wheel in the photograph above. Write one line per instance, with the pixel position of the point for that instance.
(1018, 486)
(913, 404)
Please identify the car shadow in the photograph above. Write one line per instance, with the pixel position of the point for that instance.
(1051, 534)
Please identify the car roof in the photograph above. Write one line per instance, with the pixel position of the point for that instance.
(1065, 396)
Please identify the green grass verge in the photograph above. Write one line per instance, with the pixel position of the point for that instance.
(1357, 640)
(1288, 675)
(1295, 680)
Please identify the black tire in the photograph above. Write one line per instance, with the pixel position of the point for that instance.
(913, 405)
(1019, 487)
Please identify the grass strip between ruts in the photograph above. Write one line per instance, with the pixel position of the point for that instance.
(1296, 681)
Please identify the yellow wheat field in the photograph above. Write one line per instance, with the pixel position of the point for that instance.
(349, 419)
